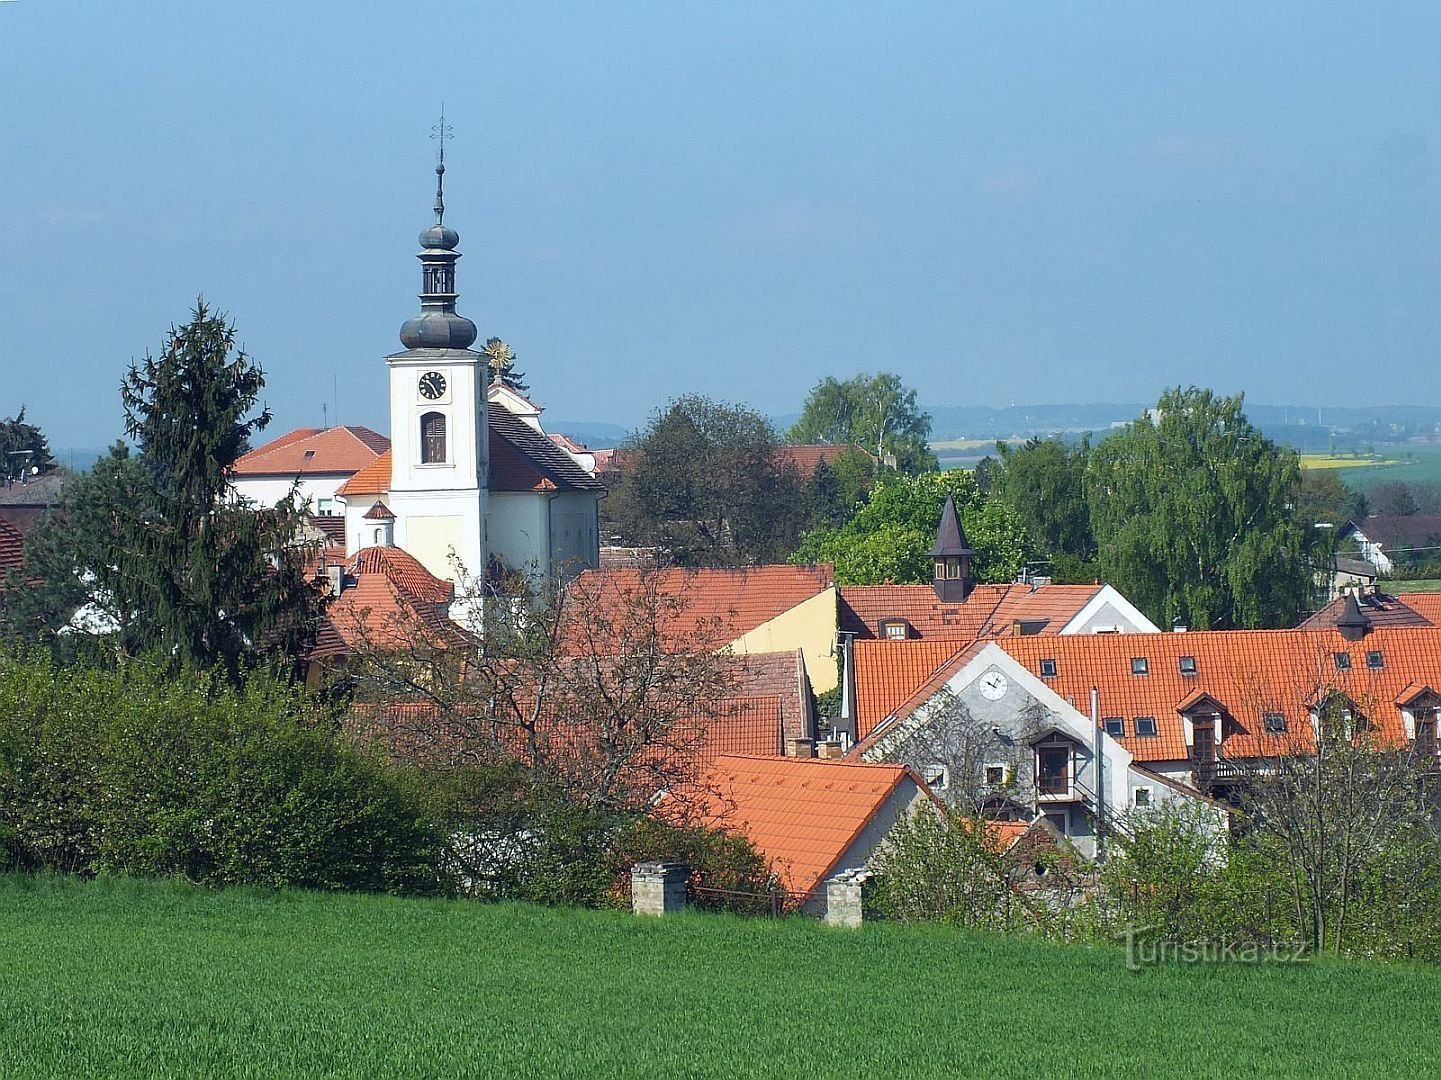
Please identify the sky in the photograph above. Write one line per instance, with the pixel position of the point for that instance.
(1003, 203)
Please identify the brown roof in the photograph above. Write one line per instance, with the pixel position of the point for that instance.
(521, 459)
(801, 814)
(782, 677)
(314, 450)
(332, 525)
(990, 610)
(1381, 609)
(719, 605)
(1402, 531)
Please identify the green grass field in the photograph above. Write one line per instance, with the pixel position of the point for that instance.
(1410, 463)
(137, 979)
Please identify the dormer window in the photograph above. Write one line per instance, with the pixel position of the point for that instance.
(1273, 723)
(895, 629)
(1187, 665)
(1375, 661)
(432, 438)
(1048, 668)
(1343, 661)
(1140, 665)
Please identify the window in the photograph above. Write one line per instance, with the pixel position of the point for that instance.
(894, 629)
(1375, 661)
(995, 775)
(1053, 768)
(1188, 665)
(1141, 797)
(1115, 726)
(432, 438)
(1140, 665)
(325, 507)
(1048, 668)
(938, 777)
(1059, 821)
(1145, 726)
(1273, 723)
(1343, 661)
(1426, 736)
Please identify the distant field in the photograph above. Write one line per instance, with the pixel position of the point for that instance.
(963, 444)
(1411, 464)
(136, 979)
(1326, 461)
(1423, 585)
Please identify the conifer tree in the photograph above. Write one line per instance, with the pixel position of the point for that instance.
(218, 583)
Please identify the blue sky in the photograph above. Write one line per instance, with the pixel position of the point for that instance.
(1033, 203)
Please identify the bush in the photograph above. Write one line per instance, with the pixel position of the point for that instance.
(133, 772)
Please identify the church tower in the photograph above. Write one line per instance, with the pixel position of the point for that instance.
(438, 415)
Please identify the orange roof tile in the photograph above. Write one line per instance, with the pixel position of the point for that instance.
(405, 571)
(1247, 672)
(374, 479)
(889, 672)
(1425, 604)
(990, 610)
(802, 814)
(314, 450)
(715, 606)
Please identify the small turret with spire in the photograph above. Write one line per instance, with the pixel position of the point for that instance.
(952, 557)
(438, 326)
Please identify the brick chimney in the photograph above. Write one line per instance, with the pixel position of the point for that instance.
(800, 748)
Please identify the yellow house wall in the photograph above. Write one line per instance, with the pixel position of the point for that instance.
(809, 626)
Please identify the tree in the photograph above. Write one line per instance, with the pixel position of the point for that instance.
(1324, 499)
(1192, 510)
(1044, 480)
(171, 562)
(876, 412)
(703, 484)
(22, 445)
(890, 538)
(1394, 497)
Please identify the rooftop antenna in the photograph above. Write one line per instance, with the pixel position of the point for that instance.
(440, 132)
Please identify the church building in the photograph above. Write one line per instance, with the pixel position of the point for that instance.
(468, 482)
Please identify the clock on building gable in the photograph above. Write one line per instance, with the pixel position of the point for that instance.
(433, 386)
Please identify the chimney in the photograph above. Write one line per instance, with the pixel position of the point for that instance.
(951, 558)
(800, 748)
(831, 750)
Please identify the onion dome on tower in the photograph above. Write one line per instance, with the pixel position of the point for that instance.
(438, 326)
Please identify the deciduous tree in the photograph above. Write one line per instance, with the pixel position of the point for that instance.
(1193, 513)
(877, 412)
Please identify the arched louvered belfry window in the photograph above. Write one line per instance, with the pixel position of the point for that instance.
(432, 438)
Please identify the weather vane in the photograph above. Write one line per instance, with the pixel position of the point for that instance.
(440, 132)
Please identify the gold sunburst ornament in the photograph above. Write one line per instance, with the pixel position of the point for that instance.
(499, 355)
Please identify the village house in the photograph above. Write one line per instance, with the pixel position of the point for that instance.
(1383, 538)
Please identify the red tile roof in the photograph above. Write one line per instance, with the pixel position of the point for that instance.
(802, 814)
(889, 672)
(990, 610)
(805, 458)
(374, 479)
(1246, 672)
(330, 450)
(391, 601)
(12, 549)
(1425, 604)
(714, 606)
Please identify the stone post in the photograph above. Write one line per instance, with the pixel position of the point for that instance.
(658, 888)
(843, 898)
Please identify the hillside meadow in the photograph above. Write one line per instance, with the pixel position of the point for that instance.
(127, 978)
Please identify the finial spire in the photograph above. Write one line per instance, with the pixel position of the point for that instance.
(440, 132)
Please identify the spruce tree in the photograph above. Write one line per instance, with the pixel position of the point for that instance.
(217, 583)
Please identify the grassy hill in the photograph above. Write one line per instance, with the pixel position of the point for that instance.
(130, 978)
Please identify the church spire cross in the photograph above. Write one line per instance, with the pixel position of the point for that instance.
(440, 132)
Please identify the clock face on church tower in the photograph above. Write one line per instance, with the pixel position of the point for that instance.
(432, 385)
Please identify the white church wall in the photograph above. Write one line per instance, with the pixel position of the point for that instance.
(520, 529)
(574, 536)
(269, 490)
